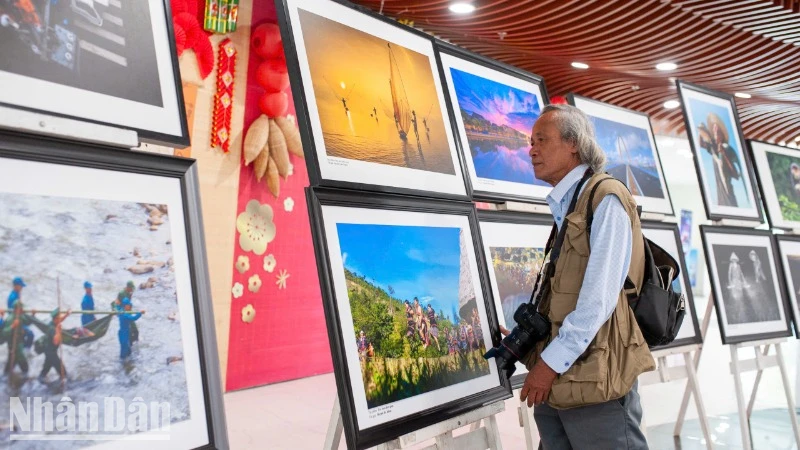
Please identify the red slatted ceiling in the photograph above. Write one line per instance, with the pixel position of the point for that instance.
(750, 46)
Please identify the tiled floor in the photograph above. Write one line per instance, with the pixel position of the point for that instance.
(295, 414)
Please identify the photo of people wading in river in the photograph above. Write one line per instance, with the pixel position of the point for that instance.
(91, 307)
(377, 101)
(414, 311)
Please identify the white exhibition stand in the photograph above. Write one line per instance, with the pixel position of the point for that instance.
(527, 423)
(739, 366)
(478, 438)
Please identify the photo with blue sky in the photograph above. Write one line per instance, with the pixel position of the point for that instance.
(498, 120)
(699, 114)
(630, 154)
(416, 261)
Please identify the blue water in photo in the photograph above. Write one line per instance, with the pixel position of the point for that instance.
(498, 120)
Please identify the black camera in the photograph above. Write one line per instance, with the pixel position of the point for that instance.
(532, 327)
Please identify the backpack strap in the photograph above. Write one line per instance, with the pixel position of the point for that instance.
(629, 285)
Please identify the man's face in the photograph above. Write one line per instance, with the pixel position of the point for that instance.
(88, 291)
(17, 288)
(552, 157)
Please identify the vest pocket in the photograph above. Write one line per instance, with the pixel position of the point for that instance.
(574, 256)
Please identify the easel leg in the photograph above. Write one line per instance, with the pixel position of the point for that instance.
(334, 435)
(698, 400)
(743, 422)
(789, 399)
(493, 433)
(755, 385)
(696, 361)
(525, 421)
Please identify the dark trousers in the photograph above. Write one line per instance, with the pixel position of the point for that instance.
(52, 361)
(613, 425)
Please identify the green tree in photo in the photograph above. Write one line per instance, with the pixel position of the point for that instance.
(786, 185)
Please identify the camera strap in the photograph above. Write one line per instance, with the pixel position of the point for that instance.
(555, 246)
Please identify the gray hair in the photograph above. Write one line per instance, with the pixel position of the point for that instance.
(576, 128)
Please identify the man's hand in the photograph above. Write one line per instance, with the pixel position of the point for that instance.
(504, 331)
(537, 384)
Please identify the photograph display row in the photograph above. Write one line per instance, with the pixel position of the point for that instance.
(415, 291)
(755, 276)
(428, 118)
(384, 107)
(104, 250)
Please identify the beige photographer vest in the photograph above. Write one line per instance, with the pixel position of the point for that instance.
(618, 354)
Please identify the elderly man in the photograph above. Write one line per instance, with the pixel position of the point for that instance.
(582, 379)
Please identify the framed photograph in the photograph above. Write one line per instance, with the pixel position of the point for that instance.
(789, 249)
(369, 101)
(105, 249)
(112, 63)
(723, 167)
(667, 236)
(746, 282)
(627, 139)
(495, 106)
(513, 244)
(778, 174)
(408, 314)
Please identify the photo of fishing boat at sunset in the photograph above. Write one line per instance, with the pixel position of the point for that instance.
(377, 101)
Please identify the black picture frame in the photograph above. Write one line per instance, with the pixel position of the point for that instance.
(571, 99)
(691, 310)
(185, 170)
(512, 218)
(705, 231)
(318, 197)
(304, 116)
(683, 87)
(766, 185)
(479, 194)
(793, 295)
(177, 137)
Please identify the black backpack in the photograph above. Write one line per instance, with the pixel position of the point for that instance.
(658, 309)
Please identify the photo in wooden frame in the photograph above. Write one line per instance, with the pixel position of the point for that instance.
(90, 232)
(113, 63)
(747, 283)
(495, 106)
(400, 364)
(513, 244)
(727, 181)
(627, 138)
(370, 102)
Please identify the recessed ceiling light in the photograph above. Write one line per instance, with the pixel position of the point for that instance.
(797, 139)
(580, 65)
(670, 104)
(783, 143)
(742, 95)
(462, 7)
(666, 66)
